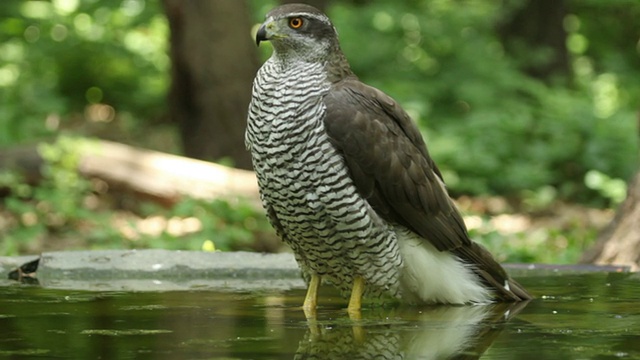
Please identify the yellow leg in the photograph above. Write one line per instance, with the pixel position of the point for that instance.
(355, 302)
(311, 300)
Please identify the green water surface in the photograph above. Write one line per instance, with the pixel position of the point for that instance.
(593, 316)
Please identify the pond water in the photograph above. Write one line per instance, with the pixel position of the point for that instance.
(589, 316)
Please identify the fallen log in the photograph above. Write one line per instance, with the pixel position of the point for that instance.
(164, 177)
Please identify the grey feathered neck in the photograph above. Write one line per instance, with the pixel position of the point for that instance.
(337, 65)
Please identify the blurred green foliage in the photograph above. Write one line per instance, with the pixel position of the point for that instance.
(58, 57)
(550, 244)
(490, 127)
(55, 205)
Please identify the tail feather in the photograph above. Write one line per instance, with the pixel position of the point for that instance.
(518, 290)
(492, 273)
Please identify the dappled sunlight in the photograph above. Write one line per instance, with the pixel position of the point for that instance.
(510, 224)
(8, 75)
(383, 21)
(100, 113)
(606, 97)
(133, 228)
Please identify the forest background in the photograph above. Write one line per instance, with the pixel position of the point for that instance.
(530, 108)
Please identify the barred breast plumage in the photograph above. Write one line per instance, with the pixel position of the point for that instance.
(348, 183)
(306, 187)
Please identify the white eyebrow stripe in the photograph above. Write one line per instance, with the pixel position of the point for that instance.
(322, 18)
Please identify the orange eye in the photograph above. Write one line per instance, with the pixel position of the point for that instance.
(296, 23)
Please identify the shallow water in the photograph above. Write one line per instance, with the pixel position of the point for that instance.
(593, 316)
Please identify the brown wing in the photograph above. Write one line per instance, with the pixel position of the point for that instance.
(392, 169)
(389, 163)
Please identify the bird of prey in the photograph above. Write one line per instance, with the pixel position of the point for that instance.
(346, 179)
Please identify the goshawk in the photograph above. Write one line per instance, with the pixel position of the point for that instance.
(347, 181)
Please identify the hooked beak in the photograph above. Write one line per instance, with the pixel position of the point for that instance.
(267, 31)
(261, 35)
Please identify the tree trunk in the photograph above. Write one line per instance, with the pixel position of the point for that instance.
(619, 243)
(214, 62)
(535, 35)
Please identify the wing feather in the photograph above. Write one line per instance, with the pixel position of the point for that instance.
(391, 168)
(390, 164)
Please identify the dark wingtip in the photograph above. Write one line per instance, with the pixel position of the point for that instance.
(519, 291)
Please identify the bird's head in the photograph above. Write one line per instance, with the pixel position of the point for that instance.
(299, 31)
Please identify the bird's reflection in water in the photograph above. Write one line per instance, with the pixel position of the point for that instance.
(439, 332)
